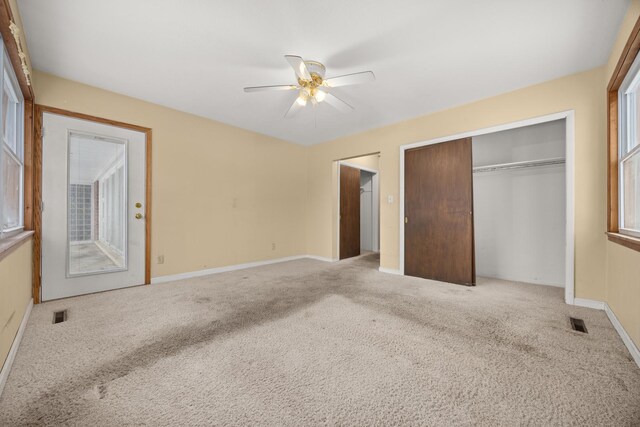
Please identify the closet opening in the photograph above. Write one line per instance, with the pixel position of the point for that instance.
(491, 204)
(519, 204)
(358, 207)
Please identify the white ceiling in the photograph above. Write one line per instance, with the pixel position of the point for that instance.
(197, 55)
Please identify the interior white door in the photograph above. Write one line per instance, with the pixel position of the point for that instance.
(93, 193)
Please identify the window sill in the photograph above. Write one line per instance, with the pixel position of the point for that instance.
(10, 244)
(624, 240)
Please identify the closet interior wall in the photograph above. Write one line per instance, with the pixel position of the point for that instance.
(520, 204)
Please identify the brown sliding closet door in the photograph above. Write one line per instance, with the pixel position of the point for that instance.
(349, 212)
(438, 242)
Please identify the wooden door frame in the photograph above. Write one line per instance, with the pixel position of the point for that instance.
(376, 178)
(623, 66)
(569, 117)
(37, 187)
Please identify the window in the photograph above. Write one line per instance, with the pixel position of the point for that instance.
(12, 151)
(629, 152)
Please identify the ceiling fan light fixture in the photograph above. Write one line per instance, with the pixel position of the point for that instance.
(302, 99)
(320, 95)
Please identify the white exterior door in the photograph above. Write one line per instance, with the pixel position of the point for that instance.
(93, 194)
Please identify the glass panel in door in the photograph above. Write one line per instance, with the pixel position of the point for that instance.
(96, 205)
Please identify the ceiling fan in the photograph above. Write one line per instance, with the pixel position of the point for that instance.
(313, 87)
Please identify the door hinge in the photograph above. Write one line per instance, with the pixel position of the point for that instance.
(406, 220)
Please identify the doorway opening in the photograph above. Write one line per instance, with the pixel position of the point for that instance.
(358, 207)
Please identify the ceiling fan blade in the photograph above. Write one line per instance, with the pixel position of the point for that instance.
(351, 79)
(294, 109)
(269, 88)
(298, 65)
(337, 103)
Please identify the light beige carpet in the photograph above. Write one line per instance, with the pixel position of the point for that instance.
(309, 343)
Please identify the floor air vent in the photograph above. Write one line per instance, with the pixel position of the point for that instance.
(59, 316)
(578, 325)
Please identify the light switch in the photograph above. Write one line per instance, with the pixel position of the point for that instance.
(390, 198)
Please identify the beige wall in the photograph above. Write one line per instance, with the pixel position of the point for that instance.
(221, 195)
(368, 162)
(581, 92)
(623, 287)
(15, 294)
(623, 264)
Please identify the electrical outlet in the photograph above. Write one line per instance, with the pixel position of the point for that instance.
(160, 259)
(273, 246)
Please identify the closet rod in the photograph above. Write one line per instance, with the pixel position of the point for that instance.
(519, 165)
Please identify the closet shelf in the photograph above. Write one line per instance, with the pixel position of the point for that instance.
(519, 165)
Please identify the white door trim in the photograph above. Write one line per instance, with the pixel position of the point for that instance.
(375, 185)
(355, 166)
(569, 117)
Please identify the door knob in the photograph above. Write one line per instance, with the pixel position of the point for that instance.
(138, 216)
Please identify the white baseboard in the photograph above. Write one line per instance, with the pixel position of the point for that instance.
(626, 339)
(389, 271)
(321, 258)
(6, 368)
(589, 303)
(217, 270)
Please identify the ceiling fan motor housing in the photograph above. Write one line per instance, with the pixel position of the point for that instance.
(316, 68)
(309, 87)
